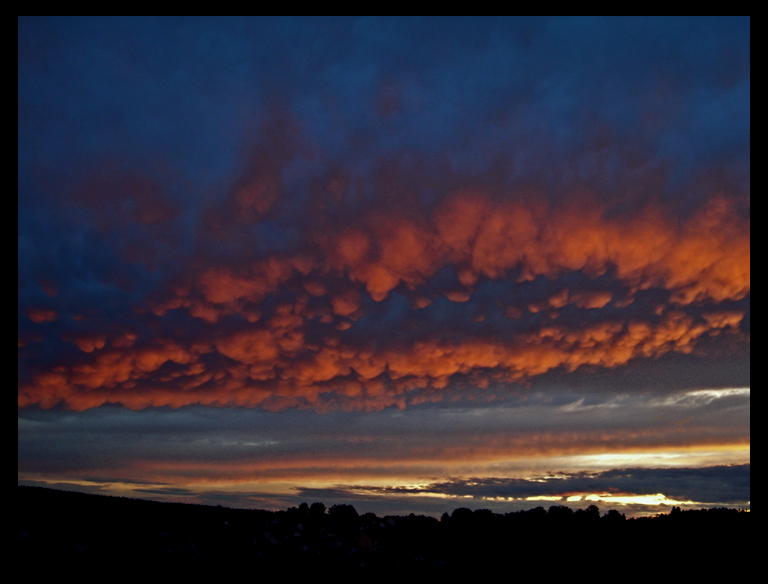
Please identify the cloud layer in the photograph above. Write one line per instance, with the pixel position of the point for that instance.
(637, 453)
(545, 287)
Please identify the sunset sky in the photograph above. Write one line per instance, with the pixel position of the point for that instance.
(407, 264)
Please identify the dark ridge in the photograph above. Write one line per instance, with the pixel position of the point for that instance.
(64, 531)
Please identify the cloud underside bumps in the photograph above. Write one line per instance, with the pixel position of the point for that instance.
(397, 308)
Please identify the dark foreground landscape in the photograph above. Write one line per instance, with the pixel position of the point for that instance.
(60, 531)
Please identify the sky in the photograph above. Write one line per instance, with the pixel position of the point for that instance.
(408, 264)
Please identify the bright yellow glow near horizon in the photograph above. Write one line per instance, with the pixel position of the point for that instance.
(657, 499)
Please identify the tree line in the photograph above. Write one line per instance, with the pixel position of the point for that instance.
(80, 531)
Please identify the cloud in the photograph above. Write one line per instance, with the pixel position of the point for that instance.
(724, 485)
(283, 353)
(275, 359)
(374, 226)
(41, 315)
(553, 430)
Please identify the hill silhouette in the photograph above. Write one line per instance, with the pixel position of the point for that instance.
(70, 530)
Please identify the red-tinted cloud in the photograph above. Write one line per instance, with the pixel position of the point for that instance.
(41, 315)
(302, 348)
(274, 365)
(705, 257)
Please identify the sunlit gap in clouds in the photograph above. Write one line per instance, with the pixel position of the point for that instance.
(589, 465)
(704, 396)
(607, 498)
(690, 457)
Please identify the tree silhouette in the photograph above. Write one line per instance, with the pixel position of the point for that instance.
(317, 509)
(343, 515)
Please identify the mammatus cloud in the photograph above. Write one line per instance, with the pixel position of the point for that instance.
(295, 329)
(363, 213)
(703, 257)
(40, 315)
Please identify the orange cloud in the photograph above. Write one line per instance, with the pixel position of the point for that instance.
(268, 359)
(274, 366)
(347, 303)
(706, 256)
(41, 315)
(703, 258)
(89, 344)
(593, 299)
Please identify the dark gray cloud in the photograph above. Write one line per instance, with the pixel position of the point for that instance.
(420, 442)
(725, 485)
